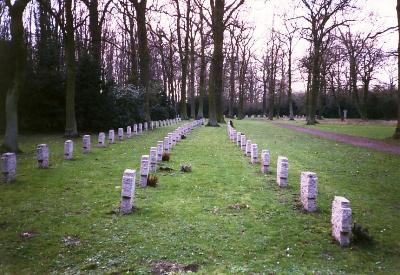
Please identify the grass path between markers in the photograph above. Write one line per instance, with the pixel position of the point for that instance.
(187, 218)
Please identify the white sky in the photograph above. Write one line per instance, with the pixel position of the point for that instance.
(372, 14)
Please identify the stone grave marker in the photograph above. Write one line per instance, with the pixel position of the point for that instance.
(42, 155)
(243, 143)
(144, 170)
(166, 145)
(128, 191)
(160, 149)
(254, 153)
(68, 149)
(308, 191)
(101, 141)
(129, 132)
(248, 148)
(120, 134)
(111, 137)
(265, 161)
(8, 167)
(341, 220)
(86, 145)
(282, 171)
(153, 159)
(238, 138)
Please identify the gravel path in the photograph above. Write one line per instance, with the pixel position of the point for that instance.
(353, 140)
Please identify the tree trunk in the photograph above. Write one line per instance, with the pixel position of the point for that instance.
(290, 102)
(18, 48)
(192, 75)
(144, 56)
(71, 129)
(95, 35)
(264, 97)
(203, 66)
(216, 71)
(184, 56)
(315, 84)
(397, 131)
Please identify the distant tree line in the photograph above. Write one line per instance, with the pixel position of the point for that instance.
(94, 64)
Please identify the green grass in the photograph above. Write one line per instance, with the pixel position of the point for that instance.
(374, 131)
(186, 219)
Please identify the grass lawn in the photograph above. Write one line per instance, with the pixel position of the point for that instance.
(370, 130)
(186, 219)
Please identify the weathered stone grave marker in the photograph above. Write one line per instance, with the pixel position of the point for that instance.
(101, 141)
(341, 220)
(120, 134)
(238, 138)
(42, 155)
(68, 149)
(160, 148)
(243, 143)
(128, 191)
(308, 191)
(166, 145)
(8, 167)
(129, 132)
(282, 171)
(248, 148)
(153, 159)
(254, 153)
(111, 137)
(265, 161)
(86, 145)
(144, 170)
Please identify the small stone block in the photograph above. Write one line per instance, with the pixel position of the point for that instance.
(42, 155)
(265, 161)
(68, 149)
(86, 146)
(254, 153)
(111, 137)
(101, 141)
(144, 170)
(282, 171)
(8, 167)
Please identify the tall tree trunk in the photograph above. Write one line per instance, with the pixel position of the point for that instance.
(95, 36)
(192, 76)
(290, 101)
(315, 84)
(264, 96)
(232, 83)
(203, 66)
(397, 131)
(184, 56)
(144, 56)
(18, 48)
(71, 129)
(216, 72)
(353, 83)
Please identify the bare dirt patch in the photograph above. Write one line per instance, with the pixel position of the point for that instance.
(163, 268)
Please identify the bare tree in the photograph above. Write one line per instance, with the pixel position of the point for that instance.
(322, 19)
(221, 13)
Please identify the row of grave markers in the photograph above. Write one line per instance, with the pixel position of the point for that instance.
(341, 211)
(148, 164)
(9, 160)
